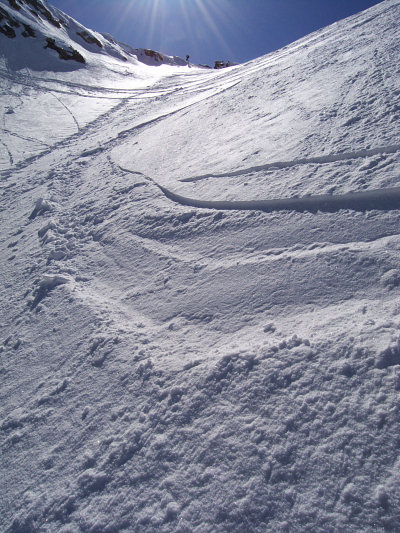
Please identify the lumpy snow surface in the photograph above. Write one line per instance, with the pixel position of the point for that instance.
(199, 303)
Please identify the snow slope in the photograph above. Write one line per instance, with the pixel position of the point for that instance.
(179, 354)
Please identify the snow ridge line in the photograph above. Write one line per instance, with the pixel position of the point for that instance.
(381, 199)
(330, 158)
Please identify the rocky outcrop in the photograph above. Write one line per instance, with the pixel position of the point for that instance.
(89, 38)
(155, 55)
(65, 53)
(223, 64)
(10, 26)
(28, 31)
(40, 9)
(7, 24)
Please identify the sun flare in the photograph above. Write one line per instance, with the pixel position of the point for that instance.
(191, 23)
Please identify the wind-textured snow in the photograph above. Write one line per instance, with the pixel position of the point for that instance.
(200, 314)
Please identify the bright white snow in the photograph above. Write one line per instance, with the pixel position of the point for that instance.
(169, 367)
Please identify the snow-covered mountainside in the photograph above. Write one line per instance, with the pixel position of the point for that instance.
(200, 314)
(32, 26)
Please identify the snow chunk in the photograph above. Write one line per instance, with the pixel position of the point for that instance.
(47, 284)
(390, 356)
(41, 206)
(391, 279)
(92, 481)
(382, 497)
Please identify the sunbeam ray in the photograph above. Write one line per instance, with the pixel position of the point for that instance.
(125, 14)
(210, 23)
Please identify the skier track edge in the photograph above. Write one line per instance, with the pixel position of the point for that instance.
(381, 199)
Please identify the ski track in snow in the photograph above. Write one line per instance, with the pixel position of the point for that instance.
(68, 111)
(8, 152)
(374, 199)
(25, 138)
(105, 117)
(380, 199)
(330, 158)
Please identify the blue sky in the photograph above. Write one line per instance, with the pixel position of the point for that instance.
(236, 30)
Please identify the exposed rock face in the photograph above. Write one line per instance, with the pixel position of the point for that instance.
(28, 31)
(65, 53)
(39, 8)
(155, 55)
(89, 38)
(223, 64)
(7, 24)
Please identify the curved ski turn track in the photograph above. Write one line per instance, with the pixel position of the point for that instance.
(382, 199)
(329, 158)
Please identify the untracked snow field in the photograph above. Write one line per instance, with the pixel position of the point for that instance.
(199, 307)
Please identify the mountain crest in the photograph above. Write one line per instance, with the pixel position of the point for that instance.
(41, 33)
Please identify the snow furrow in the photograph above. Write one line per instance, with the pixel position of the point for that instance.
(25, 138)
(67, 109)
(10, 157)
(330, 158)
(381, 199)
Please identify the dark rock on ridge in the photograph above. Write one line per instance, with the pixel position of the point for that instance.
(64, 53)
